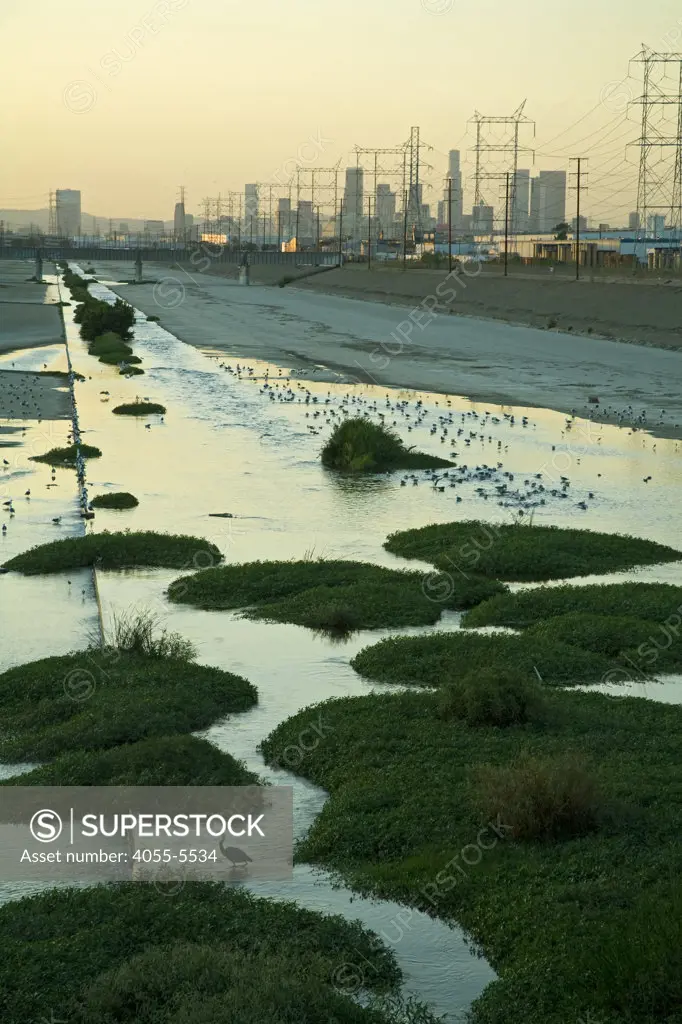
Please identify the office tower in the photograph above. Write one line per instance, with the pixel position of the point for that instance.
(305, 234)
(521, 204)
(634, 221)
(353, 202)
(456, 192)
(579, 223)
(68, 205)
(179, 223)
(655, 224)
(482, 219)
(386, 203)
(284, 223)
(250, 203)
(547, 200)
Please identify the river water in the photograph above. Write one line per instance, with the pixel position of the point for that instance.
(245, 440)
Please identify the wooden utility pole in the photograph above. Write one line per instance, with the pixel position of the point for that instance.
(369, 232)
(506, 224)
(577, 222)
(450, 224)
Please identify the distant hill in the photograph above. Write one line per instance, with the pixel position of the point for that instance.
(16, 219)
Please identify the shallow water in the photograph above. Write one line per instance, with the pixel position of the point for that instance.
(226, 445)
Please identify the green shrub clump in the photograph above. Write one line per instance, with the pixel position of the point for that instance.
(336, 596)
(518, 552)
(123, 550)
(66, 457)
(139, 408)
(146, 954)
(651, 601)
(115, 499)
(100, 699)
(359, 446)
(97, 317)
(492, 697)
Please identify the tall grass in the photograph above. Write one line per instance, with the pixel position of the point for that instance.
(359, 446)
(140, 631)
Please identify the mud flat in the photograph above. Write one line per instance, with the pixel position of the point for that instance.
(485, 360)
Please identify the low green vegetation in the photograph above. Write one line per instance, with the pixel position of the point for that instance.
(95, 700)
(139, 408)
(130, 371)
(201, 953)
(443, 659)
(159, 761)
(97, 317)
(124, 550)
(153, 319)
(497, 697)
(652, 601)
(517, 552)
(335, 596)
(646, 646)
(115, 499)
(553, 842)
(110, 348)
(359, 446)
(66, 457)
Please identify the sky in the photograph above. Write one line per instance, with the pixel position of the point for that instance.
(127, 101)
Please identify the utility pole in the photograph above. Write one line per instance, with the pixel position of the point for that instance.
(341, 232)
(450, 224)
(318, 229)
(298, 213)
(579, 176)
(405, 232)
(506, 224)
(369, 232)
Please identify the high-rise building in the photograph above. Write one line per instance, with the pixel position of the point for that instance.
(179, 222)
(250, 203)
(284, 224)
(579, 222)
(456, 193)
(634, 221)
(547, 200)
(655, 224)
(68, 206)
(386, 201)
(305, 235)
(521, 204)
(353, 201)
(482, 219)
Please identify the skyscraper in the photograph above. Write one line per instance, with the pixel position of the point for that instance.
(68, 204)
(250, 203)
(521, 204)
(547, 200)
(386, 201)
(284, 229)
(179, 222)
(456, 192)
(634, 221)
(352, 201)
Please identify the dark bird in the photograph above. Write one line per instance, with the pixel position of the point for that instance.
(235, 855)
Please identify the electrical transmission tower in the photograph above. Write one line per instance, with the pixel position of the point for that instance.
(659, 190)
(52, 216)
(414, 189)
(497, 150)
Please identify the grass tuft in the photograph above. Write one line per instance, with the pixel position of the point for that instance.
(540, 798)
(359, 446)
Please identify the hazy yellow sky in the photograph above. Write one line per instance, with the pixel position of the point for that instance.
(130, 99)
